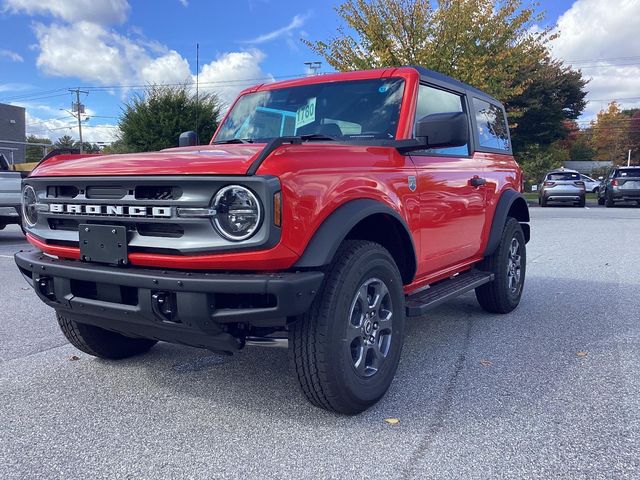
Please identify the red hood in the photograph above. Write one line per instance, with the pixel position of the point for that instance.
(201, 160)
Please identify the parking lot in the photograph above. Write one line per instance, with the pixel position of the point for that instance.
(549, 391)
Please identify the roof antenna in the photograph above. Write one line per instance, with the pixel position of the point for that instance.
(197, 89)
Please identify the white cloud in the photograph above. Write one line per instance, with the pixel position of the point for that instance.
(94, 53)
(98, 11)
(297, 22)
(184, 3)
(11, 55)
(602, 41)
(57, 127)
(232, 72)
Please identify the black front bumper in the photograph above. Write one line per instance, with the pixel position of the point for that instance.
(198, 309)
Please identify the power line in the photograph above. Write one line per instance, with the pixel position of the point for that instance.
(97, 88)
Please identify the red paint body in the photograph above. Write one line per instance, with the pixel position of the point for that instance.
(448, 218)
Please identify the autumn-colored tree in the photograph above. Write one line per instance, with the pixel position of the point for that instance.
(493, 45)
(610, 139)
(634, 137)
(481, 42)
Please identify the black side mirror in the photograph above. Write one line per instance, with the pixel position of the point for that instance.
(441, 130)
(187, 139)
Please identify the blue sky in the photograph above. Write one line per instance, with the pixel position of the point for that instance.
(50, 45)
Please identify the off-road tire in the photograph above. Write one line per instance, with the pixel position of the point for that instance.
(101, 343)
(319, 351)
(496, 296)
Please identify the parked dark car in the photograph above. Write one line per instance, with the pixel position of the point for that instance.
(621, 185)
(562, 185)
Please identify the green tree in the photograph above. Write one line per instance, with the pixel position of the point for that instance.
(490, 44)
(154, 120)
(66, 141)
(581, 151)
(87, 147)
(554, 96)
(537, 160)
(36, 152)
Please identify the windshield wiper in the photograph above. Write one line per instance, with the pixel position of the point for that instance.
(233, 140)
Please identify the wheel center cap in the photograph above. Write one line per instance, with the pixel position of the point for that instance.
(367, 327)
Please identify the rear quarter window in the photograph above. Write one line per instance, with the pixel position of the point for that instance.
(491, 126)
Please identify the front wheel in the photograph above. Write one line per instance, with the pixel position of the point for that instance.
(99, 342)
(345, 350)
(508, 264)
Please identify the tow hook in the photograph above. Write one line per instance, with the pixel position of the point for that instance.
(164, 306)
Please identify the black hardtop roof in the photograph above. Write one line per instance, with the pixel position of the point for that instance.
(432, 76)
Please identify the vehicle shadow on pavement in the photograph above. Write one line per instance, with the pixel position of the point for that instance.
(458, 355)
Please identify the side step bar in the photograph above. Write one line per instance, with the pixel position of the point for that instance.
(421, 302)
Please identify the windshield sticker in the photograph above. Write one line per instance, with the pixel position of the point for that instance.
(306, 114)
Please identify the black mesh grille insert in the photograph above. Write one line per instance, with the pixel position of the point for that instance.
(163, 192)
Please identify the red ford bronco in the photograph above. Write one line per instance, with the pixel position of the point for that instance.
(324, 211)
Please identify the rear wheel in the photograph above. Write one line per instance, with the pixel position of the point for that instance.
(345, 350)
(608, 200)
(582, 202)
(101, 343)
(600, 201)
(508, 264)
(543, 202)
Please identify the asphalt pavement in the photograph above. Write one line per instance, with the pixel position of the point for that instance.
(551, 390)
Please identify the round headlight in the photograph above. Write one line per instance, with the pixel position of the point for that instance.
(29, 201)
(238, 212)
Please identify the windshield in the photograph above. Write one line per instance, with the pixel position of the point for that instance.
(341, 110)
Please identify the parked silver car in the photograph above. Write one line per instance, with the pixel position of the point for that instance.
(562, 185)
(590, 185)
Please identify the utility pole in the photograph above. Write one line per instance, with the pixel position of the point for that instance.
(77, 109)
(314, 67)
(197, 89)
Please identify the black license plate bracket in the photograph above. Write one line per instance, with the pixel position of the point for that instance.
(103, 244)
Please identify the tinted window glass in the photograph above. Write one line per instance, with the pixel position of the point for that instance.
(492, 126)
(564, 176)
(430, 101)
(344, 110)
(628, 172)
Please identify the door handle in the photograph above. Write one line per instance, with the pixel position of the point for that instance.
(477, 182)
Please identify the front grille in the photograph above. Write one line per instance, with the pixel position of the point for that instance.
(147, 207)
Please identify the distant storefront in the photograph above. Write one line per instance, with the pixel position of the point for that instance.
(12, 129)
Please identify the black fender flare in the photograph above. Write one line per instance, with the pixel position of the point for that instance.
(334, 229)
(510, 201)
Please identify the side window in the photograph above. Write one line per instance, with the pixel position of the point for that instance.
(491, 124)
(432, 100)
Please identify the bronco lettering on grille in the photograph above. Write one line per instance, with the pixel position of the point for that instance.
(111, 210)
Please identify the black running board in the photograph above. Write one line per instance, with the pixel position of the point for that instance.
(438, 293)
